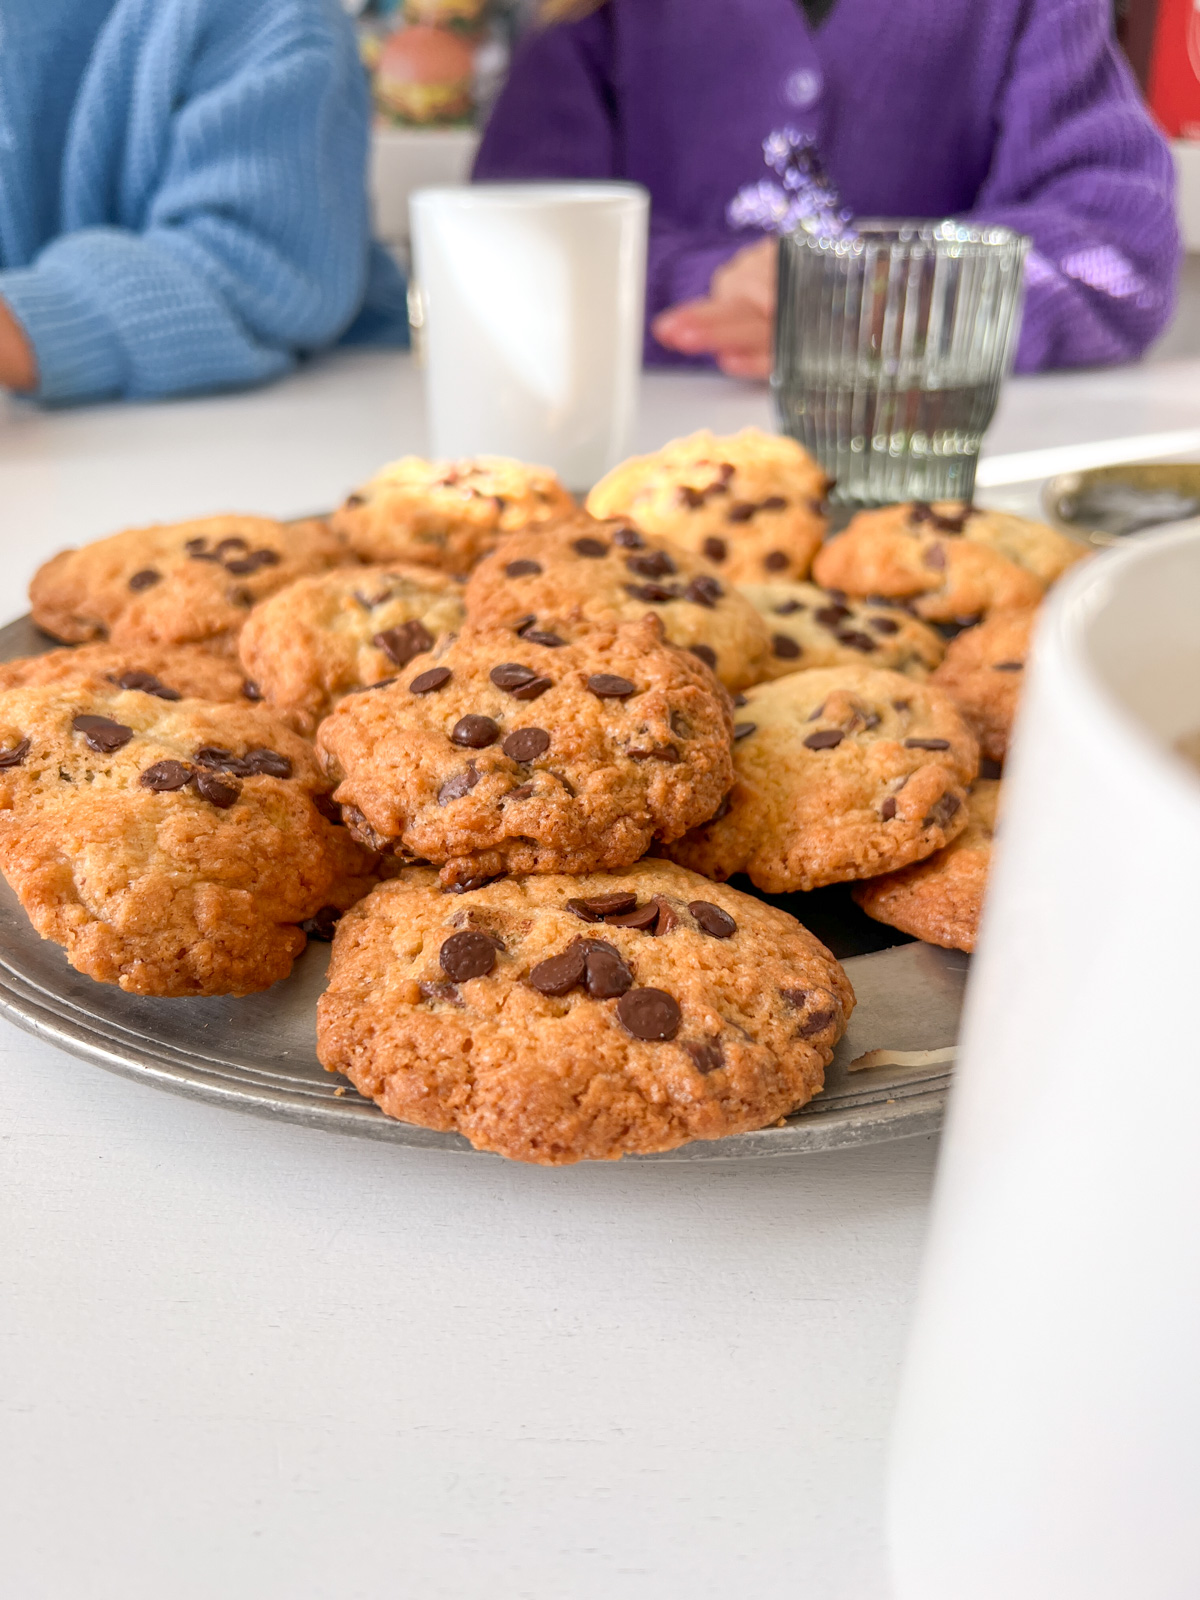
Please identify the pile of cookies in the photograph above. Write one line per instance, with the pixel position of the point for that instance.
(505, 752)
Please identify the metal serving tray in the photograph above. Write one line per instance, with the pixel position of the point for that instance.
(258, 1054)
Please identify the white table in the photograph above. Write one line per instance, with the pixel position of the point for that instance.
(241, 1358)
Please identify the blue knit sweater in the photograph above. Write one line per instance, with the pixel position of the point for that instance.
(182, 190)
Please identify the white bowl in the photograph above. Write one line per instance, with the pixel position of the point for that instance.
(1047, 1444)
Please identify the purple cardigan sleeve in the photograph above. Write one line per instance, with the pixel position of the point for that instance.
(1080, 167)
(557, 118)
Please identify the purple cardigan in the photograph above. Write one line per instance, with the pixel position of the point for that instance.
(1013, 111)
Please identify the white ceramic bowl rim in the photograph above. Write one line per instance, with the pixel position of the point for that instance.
(1065, 651)
(484, 196)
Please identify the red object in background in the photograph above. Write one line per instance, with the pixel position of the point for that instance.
(1173, 87)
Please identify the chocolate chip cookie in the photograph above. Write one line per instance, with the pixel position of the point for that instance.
(509, 750)
(812, 627)
(953, 563)
(172, 672)
(577, 573)
(180, 583)
(448, 513)
(555, 1019)
(751, 503)
(326, 636)
(983, 673)
(841, 773)
(940, 899)
(172, 847)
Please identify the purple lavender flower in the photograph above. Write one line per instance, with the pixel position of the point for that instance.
(806, 199)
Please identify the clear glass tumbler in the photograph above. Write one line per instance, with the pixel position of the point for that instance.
(890, 348)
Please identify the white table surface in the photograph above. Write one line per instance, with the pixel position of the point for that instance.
(241, 1358)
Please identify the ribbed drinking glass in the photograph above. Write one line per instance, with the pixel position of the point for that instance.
(890, 348)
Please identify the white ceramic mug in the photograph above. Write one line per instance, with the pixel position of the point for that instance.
(529, 300)
(1047, 1445)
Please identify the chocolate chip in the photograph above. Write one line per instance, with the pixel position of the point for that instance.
(427, 682)
(654, 564)
(824, 739)
(240, 597)
(102, 733)
(241, 566)
(14, 756)
(785, 648)
(667, 920)
(629, 539)
(706, 654)
(884, 624)
(195, 546)
(234, 542)
(251, 691)
(511, 675)
(538, 636)
(203, 555)
(446, 992)
(267, 558)
(789, 607)
(522, 792)
(694, 498)
(715, 549)
(989, 768)
(558, 975)
(606, 976)
(322, 925)
(654, 594)
(145, 579)
(920, 511)
(380, 683)
(360, 829)
(927, 744)
(703, 591)
(526, 744)
(795, 997)
(468, 886)
(144, 683)
(522, 569)
(1008, 666)
(353, 500)
(598, 906)
(469, 954)
(740, 700)
(712, 919)
(833, 616)
(775, 560)
(854, 640)
(773, 502)
(901, 705)
(888, 809)
(215, 790)
(934, 558)
(164, 777)
(216, 760)
(740, 511)
(402, 643)
(460, 784)
(941, 811)
(642, 918)
(743, 730)
(329, 808)
(521, 623)
(706, 1057)
(610, 686)
(474, 733)
(723, 809)
(658, 752)
(592, 548)
(817, 1023)
(649, 1014)
(268, 763)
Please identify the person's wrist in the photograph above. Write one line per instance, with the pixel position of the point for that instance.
(18, 366)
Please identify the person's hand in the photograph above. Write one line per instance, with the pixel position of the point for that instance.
(735, 323)
(18, 369)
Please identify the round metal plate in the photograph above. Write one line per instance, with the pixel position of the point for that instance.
(258, 1053)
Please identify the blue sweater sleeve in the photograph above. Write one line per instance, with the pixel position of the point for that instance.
(228, 138)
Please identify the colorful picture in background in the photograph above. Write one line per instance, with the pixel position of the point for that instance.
(435, 63)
